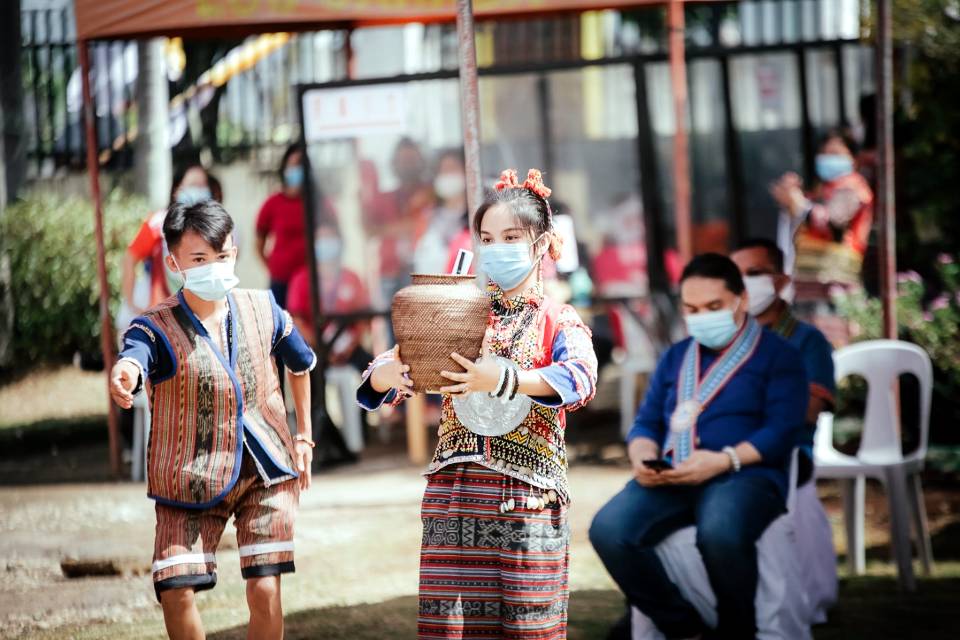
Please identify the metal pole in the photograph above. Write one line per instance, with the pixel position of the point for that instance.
(106, 330)
(886, 211)
(469, 104)
(681, 160)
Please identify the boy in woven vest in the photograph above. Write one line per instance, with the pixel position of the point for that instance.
(219, 441)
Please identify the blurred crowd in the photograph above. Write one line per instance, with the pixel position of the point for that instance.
(421, 224)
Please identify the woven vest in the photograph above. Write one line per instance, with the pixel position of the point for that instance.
(198, 414)
(535, 451)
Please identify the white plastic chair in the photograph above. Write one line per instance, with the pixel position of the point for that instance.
(342, 383)
(786, 605)
(880, 455)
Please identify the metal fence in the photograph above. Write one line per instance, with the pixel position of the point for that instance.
(255, 107)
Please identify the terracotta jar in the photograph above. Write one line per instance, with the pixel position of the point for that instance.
(435, 316)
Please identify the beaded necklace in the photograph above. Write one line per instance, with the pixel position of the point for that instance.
(513, 318)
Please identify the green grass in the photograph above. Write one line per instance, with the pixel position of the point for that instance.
(871, 607)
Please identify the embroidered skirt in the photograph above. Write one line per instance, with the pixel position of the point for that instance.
(487, 574)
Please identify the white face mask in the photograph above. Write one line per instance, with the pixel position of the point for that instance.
(713, 329)
(449, 185)
(211, 281)
(761, 293)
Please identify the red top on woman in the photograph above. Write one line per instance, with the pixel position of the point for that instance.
(282, 217)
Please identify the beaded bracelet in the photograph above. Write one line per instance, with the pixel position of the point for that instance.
(501, 384)
(511, 375)
(516, 384)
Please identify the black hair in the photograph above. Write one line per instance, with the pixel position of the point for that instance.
(715, 267)
(844, 136)
(181, 173)
(406, 142)
(453, 152)
(530, 210)
(208, 219)
(292, 149)
(868, 113)
(328, 222)
(774, 253)
(216, 189)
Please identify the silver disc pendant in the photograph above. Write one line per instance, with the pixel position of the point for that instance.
(486, 416)
(685, 416)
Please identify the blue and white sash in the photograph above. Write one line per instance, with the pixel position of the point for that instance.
(694, 394)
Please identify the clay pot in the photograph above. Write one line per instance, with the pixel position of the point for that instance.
(435, 316)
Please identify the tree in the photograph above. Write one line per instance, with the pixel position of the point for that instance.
(927, 40)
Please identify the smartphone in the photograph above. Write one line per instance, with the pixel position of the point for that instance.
(657, 464)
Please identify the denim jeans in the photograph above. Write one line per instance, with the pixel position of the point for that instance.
(730, 513)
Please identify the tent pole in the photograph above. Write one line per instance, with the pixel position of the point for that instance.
(681, 160)
(106, 329)
(886, 209)
(469, 104)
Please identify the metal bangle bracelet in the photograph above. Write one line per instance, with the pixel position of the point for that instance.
(511, 376)
(501, 384)
(516, 383)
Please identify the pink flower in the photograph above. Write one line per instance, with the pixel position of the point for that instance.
(945, 258)
(836, 291)
(909, 276)
(940, 302)
(927, 316)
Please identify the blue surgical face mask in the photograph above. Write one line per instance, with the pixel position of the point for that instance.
(293, 176)
(190, 195)
(211, 281)
(830, 166)
(713, 329)
(326, 249)
(507, 263)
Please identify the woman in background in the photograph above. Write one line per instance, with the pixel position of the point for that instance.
(191, 184)
(280, 223)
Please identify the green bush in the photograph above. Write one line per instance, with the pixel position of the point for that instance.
(933, 322)
(53, 263)
(928, 314)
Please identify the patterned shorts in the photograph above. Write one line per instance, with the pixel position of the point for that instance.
(187, 539)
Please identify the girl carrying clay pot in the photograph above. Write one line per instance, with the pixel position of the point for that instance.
(495, 549)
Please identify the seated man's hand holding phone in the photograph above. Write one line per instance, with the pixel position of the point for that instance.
(657, 464)
(646, 462)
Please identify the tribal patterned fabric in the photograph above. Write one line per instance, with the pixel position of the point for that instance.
(487, 574)
(527, 330)
(186, 539)
(199, 412)
(535, 333)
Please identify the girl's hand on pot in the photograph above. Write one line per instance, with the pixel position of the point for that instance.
(480, 376)
(392, 374)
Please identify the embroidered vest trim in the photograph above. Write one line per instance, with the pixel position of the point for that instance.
(534, 452)
(201, 413)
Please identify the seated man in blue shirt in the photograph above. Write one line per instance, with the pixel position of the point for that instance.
(709, 447)
(761, 265)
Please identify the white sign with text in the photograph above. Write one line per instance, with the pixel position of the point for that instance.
(353, 112)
